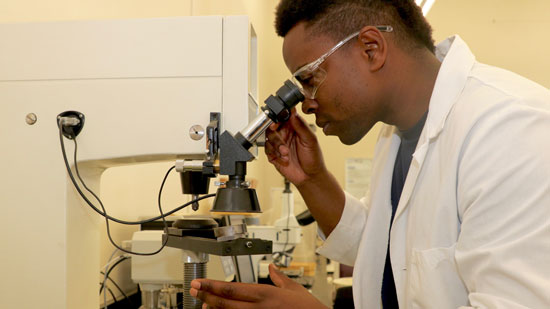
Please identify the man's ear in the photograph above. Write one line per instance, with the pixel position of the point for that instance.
(375, 47)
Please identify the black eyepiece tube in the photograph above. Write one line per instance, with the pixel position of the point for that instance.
(290, 94)
(286, 98)
(276, 109)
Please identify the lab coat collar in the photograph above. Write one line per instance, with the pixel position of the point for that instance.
(457, 62)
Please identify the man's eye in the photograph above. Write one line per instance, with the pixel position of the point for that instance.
(305, 80)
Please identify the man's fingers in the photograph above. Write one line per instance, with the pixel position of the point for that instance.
(232, 290)
(284, 151)
(212, 301)
(300, 125)
(276, 137)
(276, 149)
(274, 126)
(280, 279)
(270, 150)
(276, 276)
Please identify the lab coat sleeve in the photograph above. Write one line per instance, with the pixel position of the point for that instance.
(343, 242)
(503, 195)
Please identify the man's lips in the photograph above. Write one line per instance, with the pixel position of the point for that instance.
(323, 124)
(320, 123)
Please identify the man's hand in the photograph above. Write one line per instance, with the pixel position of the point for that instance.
(294, 151)
(233, 295)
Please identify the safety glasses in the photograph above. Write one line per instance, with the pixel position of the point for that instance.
(310, 77)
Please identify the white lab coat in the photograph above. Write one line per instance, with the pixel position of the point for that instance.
(472, 228)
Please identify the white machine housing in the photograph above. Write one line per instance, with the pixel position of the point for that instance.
(141, 85)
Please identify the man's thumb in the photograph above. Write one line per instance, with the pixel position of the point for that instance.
(278, 278)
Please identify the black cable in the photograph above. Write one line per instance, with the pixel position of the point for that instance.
(118, 288)
(112, 294)
(77, 187)
(109, 271)
(107, 217)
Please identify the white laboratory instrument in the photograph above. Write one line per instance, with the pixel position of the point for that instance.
(285, 233)
(142, 84)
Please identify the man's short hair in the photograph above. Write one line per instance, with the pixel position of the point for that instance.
(339, 18)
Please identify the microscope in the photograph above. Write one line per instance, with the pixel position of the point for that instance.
(226, 154)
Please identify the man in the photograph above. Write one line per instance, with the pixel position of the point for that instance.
(458, 213)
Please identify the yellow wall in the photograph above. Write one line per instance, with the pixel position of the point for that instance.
(506, 33)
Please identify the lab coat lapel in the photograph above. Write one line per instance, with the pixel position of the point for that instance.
(449, 84)
(450, 81)
(368, 276)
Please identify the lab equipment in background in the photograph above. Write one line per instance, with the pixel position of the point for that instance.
(141, 84)
(289, 233)
(285, 234)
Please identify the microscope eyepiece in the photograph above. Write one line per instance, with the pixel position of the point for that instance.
(290, 94)
(286, 98)
(277, 109)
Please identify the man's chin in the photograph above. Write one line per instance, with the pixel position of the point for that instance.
(347, 139)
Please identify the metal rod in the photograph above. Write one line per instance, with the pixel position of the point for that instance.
(194, 166)
(192, 271)
(256, 127)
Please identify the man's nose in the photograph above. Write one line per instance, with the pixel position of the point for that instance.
(309, 106)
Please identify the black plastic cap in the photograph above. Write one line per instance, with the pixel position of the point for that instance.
(236, 200)
(290, 94)
(286, 98)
